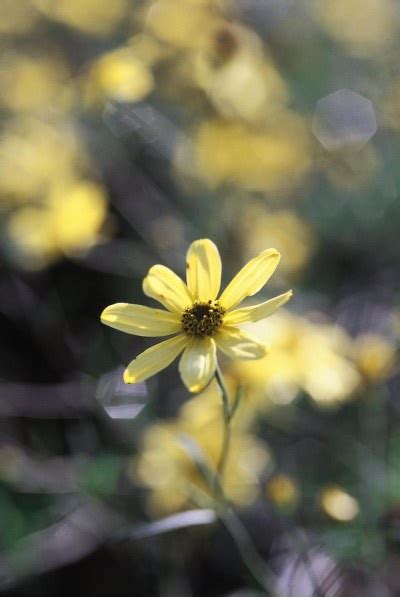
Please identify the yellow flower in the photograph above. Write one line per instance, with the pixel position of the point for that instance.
(200, 322)
(338, 504)
(238, 78)
(168, 469)
(375, 356)
(376, 24)
(119, 75)
(34, 83)
(282, 490)
(181, 24)
(272, 160)
(283, 229)
(69, 221)
(309, 355)
(17, 17)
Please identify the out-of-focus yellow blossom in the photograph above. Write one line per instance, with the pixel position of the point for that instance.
(239, 80)
(365, 28)
(31, 236)
(118, 75)
(17, 16)
(374, 356)
(180, 23)
(306, 356)
(33, 83)
(198, 318)
(78, 212)
(350, 169)
(34, 154)
(93, 17)
(148, 49)
(256, 160)
(282, 490)
(338, 504)
(68, 222)
(168, 469)
(210, 405)
(291, 235)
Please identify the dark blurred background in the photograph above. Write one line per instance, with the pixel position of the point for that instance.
(128, 129)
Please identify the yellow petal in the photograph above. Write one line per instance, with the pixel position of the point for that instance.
(257, 312)
(237, 344)
(167, 288)
(203, 270)
(251, 278)
(140, 320)
(198, 363)
(154, 359)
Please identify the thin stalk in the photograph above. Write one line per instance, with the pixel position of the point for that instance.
(226, 439)
(262, 577)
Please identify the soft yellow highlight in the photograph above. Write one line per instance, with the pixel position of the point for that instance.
(275, 159)
(178, 23)
(338, 504)
(282, 490)
(375, 356)
(118, 75)
(365, 28)
(292, 235)
(69, 221)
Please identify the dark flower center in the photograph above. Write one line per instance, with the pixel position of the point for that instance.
(202, 319)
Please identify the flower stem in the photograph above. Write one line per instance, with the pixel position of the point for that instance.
(226, 439)
(262, 577)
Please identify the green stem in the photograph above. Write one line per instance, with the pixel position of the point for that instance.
(226, 439)
(255, 565)
(262, 576)
(225, 397)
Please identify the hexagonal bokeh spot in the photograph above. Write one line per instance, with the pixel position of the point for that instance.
(344, 118)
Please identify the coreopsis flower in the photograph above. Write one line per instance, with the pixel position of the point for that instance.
(310, 355)
(199, 321)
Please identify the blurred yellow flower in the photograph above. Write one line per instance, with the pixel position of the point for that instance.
(256, 160)
(231, 67)
(364, 27)
(17, 17)
(68, 222)
(308, 356)
(282, 490)
(375, 356)
(180, 23)
(289, 233)
(93, 17)
(30, 83)
(338, 504)
(118, 75)
(166, 466)
(34, 154)
(148, 49)
(201, 322)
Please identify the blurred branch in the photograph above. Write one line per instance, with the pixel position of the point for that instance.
(62, 400)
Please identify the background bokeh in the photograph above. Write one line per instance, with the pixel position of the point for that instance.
(128, 129)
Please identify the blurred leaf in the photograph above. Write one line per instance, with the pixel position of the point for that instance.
(100, 476)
